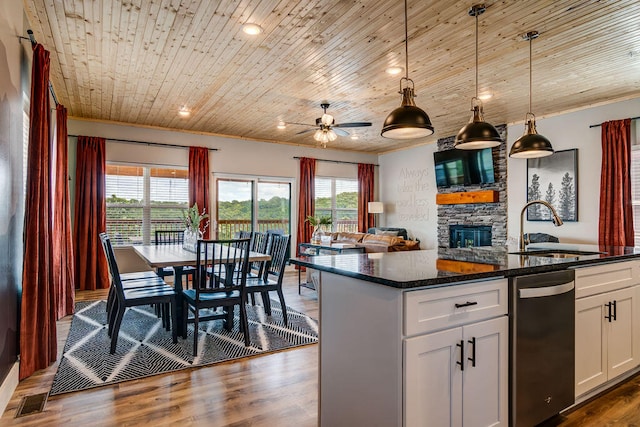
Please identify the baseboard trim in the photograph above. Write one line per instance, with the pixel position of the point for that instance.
(8, 386)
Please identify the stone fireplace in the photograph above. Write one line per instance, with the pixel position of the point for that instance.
(490, 217)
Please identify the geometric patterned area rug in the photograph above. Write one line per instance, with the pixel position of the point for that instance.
(145, 348)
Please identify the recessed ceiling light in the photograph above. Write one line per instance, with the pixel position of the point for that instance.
(394, 70)
(282, 125)
(184, 112)
(354, 136)
(252, 29)
(485, 96)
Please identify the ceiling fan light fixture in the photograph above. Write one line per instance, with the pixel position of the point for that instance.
(477, 133)
(407, 121)
(326, 119)
(531, 145)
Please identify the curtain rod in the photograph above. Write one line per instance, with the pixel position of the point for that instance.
(598, 125)
(158, 144)
(32, 39)
(339, 161)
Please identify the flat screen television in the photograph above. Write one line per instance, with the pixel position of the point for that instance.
(463, 167)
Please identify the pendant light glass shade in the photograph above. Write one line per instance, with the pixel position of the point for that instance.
(477, 133)
(407, 121)
(531, 144)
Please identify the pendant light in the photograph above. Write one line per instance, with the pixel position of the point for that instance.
(531, 144)
(407, 121)
(477, 133)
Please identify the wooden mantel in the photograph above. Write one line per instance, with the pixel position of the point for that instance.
(486, 196)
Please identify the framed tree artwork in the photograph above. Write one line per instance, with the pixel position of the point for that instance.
(553, 179)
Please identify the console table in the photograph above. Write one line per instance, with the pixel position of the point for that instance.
(313, 249)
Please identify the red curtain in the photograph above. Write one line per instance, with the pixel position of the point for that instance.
(90, 218)
(615, 226)
(306, 199)
(38, 340)
(366, 182)
(199, 182)
(63, 259)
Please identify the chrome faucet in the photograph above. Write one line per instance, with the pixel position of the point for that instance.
(557, 221)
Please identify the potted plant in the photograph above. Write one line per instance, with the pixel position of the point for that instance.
(317, 222)
(193, 227)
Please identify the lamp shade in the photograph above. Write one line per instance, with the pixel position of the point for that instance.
(407, 121)
(477, 133)
(375, 207)
(531, 145)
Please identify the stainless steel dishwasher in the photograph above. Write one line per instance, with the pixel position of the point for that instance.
(542, 359)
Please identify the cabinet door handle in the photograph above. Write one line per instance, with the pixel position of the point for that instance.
(472, 341)
(608, 316)
(615, 311)
(466, 304)
(461, 362)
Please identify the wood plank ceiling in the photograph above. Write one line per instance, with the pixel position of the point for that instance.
(140, 61)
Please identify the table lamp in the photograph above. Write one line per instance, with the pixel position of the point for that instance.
(375, 208)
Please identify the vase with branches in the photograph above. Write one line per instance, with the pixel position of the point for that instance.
(318, 222)
(194, 227)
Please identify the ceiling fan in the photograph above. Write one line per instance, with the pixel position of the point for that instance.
(326, 128)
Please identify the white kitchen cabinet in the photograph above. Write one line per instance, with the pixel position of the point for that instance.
(607, 343)
(459, 375)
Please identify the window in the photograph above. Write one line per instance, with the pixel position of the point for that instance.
(239, 211)
(142, 199)
(338, 198)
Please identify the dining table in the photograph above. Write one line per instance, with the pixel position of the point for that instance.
(157, 256)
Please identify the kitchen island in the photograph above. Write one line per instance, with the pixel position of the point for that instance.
(400, 333)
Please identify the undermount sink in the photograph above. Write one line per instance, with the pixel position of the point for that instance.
(556, 253)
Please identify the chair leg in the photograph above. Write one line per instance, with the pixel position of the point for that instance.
(195, 330)
(228, 323)
(174, 320)
(113, 311)
(244, 323)
(116, 328)
(284, 307)
(185, 317)
(266, 302)
(166, 315)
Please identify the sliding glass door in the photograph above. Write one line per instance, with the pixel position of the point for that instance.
(252, 204)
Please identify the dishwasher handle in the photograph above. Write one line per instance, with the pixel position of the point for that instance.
(546, 291)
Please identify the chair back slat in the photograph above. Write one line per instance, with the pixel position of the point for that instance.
(228, 263)
(278, 245)
(259, 243)
(169, 237)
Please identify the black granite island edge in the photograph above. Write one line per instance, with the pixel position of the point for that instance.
(447, 266)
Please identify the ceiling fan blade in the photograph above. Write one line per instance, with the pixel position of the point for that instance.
(305, 131)
(340, 132)
(352, 125)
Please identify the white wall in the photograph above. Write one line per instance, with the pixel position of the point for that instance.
(407, 179)
(408, 191)
(565, 132)
(233, 156)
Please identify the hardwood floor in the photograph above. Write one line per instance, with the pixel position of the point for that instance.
(278, 389)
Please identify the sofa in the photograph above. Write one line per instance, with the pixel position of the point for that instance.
(378, 240)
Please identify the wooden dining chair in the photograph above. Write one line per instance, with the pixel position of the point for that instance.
(137, 279)
(273, 274)
(173, 237)
(224, 286)
(137, 292)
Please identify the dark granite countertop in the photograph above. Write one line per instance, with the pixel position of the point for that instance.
(438, 267)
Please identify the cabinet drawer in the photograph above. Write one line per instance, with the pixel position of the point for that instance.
(606, 277)
(433, 309)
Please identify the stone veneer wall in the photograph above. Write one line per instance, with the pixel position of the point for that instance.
(494, 214)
